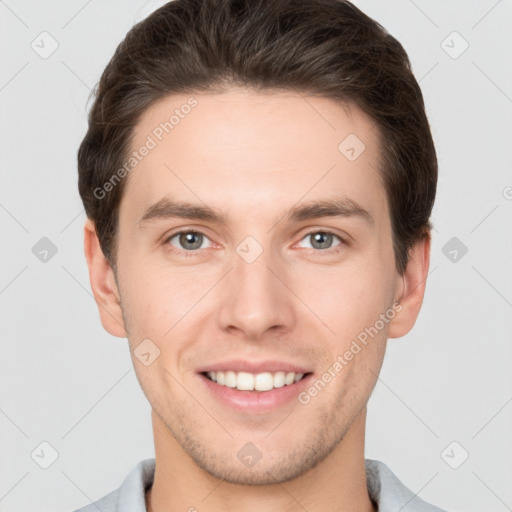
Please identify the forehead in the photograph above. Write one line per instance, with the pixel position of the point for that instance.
(244, 150)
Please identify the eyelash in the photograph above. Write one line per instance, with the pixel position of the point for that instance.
(316, 252)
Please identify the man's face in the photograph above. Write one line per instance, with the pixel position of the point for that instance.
(262, 286)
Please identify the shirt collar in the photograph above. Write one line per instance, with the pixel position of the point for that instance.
(384, 488)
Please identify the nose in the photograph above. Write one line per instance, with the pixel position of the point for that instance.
(256, 299)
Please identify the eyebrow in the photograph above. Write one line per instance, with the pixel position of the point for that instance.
(167, 208)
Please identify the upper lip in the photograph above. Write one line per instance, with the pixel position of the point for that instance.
(241, 365)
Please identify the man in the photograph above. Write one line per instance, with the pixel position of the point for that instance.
(258, 178)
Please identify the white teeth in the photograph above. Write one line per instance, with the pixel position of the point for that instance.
(263, 381)
(289, 379)
(278, 379)
(245, 381)
(230, 379)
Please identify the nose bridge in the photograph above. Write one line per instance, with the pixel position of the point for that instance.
(254, 299)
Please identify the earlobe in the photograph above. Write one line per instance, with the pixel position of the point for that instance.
(412, 288)
(103, 285)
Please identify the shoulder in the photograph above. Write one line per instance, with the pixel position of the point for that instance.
(130, 496)
(106, 504)
(389, 492)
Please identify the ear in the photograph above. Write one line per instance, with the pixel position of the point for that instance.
(104, 287)
(411, 289)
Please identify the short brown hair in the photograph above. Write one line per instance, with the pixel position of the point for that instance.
(327, 48)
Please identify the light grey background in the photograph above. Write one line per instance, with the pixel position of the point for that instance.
(65, 381)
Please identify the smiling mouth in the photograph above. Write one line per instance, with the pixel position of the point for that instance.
(261, 382)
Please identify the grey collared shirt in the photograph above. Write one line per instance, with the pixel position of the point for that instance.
(384, 488)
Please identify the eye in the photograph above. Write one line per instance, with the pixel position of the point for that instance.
(322, 240)
(188, 240)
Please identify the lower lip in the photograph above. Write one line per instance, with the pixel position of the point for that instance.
(256, 401)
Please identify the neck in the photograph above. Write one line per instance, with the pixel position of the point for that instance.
(337, 483)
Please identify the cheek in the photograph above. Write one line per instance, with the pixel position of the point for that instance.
(348, 297)
(352, 310)
(161, 301)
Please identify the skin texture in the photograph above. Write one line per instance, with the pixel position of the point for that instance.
(254, 156)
